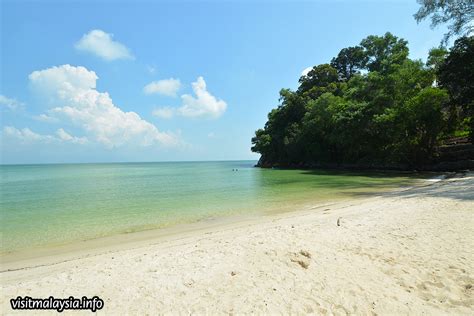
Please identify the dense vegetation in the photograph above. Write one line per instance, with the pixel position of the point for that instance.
(372, 105)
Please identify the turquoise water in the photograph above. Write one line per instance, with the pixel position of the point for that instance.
(47, 205)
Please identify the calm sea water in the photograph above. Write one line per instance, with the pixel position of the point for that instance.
(46, 205)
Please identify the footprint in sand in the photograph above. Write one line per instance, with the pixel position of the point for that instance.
(302, 258)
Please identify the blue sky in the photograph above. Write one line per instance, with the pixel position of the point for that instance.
(99, 81)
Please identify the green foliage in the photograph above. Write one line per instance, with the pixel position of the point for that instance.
(459, 13)
(421, 121)
(436, 57)
(384, 52)
(371, 105)
(349, 61)
(456, 75)
(320, 79)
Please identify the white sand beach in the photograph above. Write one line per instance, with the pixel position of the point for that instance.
(404, 252)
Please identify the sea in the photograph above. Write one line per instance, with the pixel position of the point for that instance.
(49, 205)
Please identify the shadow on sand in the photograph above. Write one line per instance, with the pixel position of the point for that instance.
(456, 189)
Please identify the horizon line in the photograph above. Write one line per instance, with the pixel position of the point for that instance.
(120, 162)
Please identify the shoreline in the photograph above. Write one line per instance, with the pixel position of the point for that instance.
(76, 205)
(403, 251)
(46, 256)
(54, 254)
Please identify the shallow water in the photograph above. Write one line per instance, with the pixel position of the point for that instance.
(47, 205)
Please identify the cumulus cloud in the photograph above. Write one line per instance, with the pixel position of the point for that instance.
(164, 112)
(167, 87)
(60, 82)
(102, 44)
(65, 136)
(25, 135)
(306, 71)
(73, 92)
(45, 118)
(9, 103)
(203, 104)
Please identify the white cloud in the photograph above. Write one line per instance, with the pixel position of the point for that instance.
(25, 135)
(11, 104)
(45, 118)
(102, 44)
(306, 71)
(72, 91)
(164, 112)
(211, 135)
(167, 87)
(204, 104)
(58, 82)
(65, 136)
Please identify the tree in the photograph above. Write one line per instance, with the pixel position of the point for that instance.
(436, 57)
(459, 13)
(349, 61)
(278, 141)
(391, 113)
(261, 142)
(422, 121)
(456, 75)
(382, 52)
(322, 78)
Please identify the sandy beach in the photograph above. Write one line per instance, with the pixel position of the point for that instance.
(405, 252)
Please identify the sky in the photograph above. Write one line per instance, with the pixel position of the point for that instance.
(116, 81)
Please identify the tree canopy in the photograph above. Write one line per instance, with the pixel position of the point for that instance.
(371, 105)
(456, 75)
